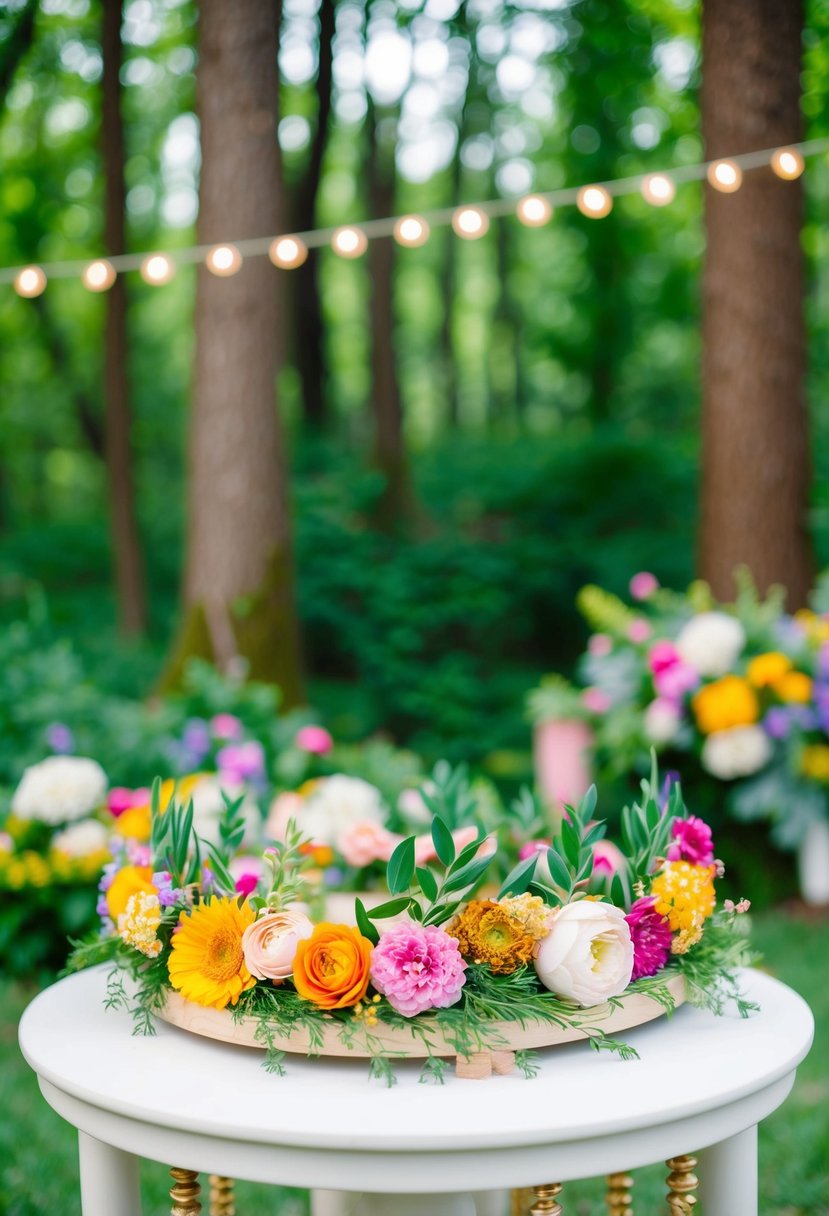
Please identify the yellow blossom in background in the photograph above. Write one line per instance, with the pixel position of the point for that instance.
(207, 963)
(814, 761)
(138, 924)
(488, 933)
(815, 627)
(728, 702)
(136, 823)
(128, 881)
(684, 894)
(767, 669)
(794, 686)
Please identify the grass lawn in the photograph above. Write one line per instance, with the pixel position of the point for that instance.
(38, 1166)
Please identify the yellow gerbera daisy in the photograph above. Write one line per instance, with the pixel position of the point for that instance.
(207, 964)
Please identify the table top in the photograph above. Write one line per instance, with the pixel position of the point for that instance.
(689, 1063)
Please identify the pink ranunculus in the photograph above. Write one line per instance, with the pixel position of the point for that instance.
(651, 936)
(533, 848)
(285, 807)
(363, 842)
(672, 683)
(270, 943)
(600, 645)
(120, 799)
(226, 726)
(314, 739)
(418, 967)
(639, 630)
(607, 859)
(425, 846)
(247, 870)
(596, 700)
(662, 655)
(643, 585)
(239, 762)
(692, 841)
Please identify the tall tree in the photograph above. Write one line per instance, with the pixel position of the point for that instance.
(126, 545)
(756, 470)
(239, 585)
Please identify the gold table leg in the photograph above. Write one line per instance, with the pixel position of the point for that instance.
(682, 1182)
(185, 1193)
(222, 1201)
(619, 1195)
(545, 1200)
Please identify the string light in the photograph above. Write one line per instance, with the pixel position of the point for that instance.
(157, 269)
(594, 201)
(349, 242)
(658, 190)
(725, 176)
(470, 222)
(224, 260)
(30, 282)
(411, 230)
(99, 275)
(534, 211)
(288, 252)
(788, 163)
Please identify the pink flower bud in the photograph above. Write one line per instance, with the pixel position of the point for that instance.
(314, 739)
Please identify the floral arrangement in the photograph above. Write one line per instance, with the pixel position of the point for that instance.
(554, 945)
(735, 696)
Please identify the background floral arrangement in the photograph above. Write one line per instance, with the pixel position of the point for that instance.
(558, 938)
(734, 697)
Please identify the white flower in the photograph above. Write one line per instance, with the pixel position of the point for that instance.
(209, 806)
(587, 956)
(337, 804)
(59, 789)
(662, 720)
(711, 642)
(737, 752)
(81, 839)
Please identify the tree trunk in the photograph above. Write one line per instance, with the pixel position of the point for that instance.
(126, 545)
(756, 469)
(239, 589)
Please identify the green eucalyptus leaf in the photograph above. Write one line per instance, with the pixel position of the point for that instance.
(519, 878)
(468, 875)
(392, 907)
(558, 869)
(365, 926)
(428, 883)
(571, 842)
(443, 842)
(401, 867)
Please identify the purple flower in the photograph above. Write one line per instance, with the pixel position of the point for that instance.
(692, 842)
(418, 967)
(651, 936)
(777, 722)
(167, 893)
(60, 738)
(241, 762)
(196, 739)
(671, 778)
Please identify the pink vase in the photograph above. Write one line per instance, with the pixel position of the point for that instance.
(562, 759)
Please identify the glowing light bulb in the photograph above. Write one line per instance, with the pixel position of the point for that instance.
(658, 190)
(30, 282)
(99, 276)
(470, 222)
(788, 163)
(534, 211)
(725, 176)
(594, 201)
(287, 252)
(411, 230)
(224, 260)
(157, 269)
(349, 242)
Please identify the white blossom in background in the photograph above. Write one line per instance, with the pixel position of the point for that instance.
(60, 789)
(338, 804)
(81, 839)
(209, 806)
(737, 752)
(711, 643)
(662, 721)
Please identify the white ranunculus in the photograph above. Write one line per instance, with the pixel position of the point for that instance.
(587, 956)
(81, 839)
(338, 803)
(737, 752)
(59, 789)
(662, 720)
(711, 643)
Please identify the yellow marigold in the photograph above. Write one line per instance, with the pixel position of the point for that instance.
(138, 924)
(531, 911)
(815, 761)
(135, 823)
(794, 686)
(207, 964)
(488, 933)
(684, 894)
(730, 701)
(767, 669)
(816, 627)
(128, 881)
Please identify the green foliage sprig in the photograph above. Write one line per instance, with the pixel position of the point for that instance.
(569, 857)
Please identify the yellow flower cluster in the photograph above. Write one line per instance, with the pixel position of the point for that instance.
(138, 925)
(768, 669)
(29, 868)
(815, 627)
(815, 761)
(728, 702)
(684, 896)
(531, 911)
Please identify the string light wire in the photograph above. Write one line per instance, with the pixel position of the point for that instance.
(319, 238)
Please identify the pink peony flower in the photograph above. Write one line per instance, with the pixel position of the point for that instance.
(363, 842)
(533, 848)
(600, 645)
(692, 841)
(607, 859)
(639, 630)
(120, 799)
(226, 726)
(651, 936)
(239, 762)
(596, 700)
(674, 682)
(417, 968)
(314, 739)
(662, 655)
(270, 943)
(643, 585)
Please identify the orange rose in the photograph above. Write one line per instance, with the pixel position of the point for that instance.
(331, 967)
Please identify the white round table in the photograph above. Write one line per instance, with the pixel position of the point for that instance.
(701, 1082)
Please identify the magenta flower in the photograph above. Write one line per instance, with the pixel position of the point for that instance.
(608, 859)
(226, 726)
(651, 935)
(120, 799)
(417, 967)
(672, 683)
(643, 585)
(662, 655)
(241, 762)
(314, 739)
(692, 842)
(533, 848)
